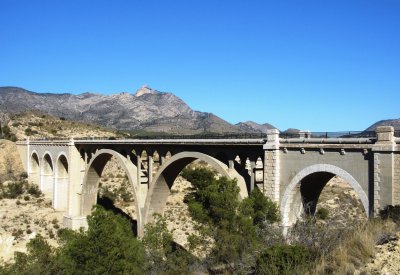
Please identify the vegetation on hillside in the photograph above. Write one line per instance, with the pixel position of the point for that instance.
(39, 125)
(239, 236)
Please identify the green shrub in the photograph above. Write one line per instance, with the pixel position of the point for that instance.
(322, 213)
(34, 191)
(15, 189)
(283, 259)
(23, 175)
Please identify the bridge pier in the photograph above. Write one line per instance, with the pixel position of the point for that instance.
(272, 166)
(386, 159)
(77, 167)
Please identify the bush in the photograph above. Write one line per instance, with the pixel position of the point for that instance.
(391, 212)
(283, 259)
(29, 131)
(322, 213)
(15, 189)
(34, 190)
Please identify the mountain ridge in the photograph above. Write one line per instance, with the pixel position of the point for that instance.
(146, 109)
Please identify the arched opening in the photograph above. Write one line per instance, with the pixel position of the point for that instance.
(169, 189)
(60, 198)
(165, 178)
(34, 172)
(259, 171)
(111, 181)
(315, 184)
(47, 176)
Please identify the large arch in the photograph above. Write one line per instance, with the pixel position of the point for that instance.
(47, 175)
(34, 168)
(292, 196)
(92, 177)
(60, 195)
(161, 185)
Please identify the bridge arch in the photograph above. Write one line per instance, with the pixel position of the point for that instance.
(92, 177)
(47, 174)
(292, 196)
(161, 185)
(34, 168)
(60, 195)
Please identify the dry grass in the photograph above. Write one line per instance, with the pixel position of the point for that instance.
(356, 249)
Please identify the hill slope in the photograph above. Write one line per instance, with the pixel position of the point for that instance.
(387, 122)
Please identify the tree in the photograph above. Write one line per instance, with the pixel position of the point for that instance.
(107, 247)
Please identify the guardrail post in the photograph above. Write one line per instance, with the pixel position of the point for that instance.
(305, 134)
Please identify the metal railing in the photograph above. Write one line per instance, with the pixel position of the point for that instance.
(283, 135)
(344, 134)
(168, 136)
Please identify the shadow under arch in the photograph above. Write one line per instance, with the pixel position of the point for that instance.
(293, 191)
(34, 168)
(162, 183)
(47, 174)
(60, 194)
(92, 177)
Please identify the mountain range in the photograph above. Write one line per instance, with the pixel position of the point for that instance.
(146, 110)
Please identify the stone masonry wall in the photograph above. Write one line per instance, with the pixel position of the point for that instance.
(396, 179)
(271, 174)
(377, 180)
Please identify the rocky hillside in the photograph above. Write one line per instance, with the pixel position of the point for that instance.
(251, 126)
(387, 122)
(39, 125)
(147, 110)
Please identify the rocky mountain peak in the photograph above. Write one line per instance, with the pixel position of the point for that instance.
(146, 90)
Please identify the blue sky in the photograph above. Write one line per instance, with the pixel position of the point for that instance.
(327, 65)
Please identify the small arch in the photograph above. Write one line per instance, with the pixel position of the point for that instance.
(161, 186)
(47, 175)
(292, 193)
(168, 155)
(156, 156)
(34, 168)
(144, 159)
(92, 177)
(60, 195)
(259, 163)
(259, 170)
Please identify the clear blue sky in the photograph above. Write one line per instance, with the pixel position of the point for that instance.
(320, 65)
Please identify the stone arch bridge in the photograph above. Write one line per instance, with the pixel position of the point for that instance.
(291, 170)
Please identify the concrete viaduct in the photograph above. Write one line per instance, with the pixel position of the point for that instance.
(291, 170)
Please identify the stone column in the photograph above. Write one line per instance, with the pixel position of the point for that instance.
(150, 169)
(139, 169)
(385, 190)
(271, 166)
(76, 171)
